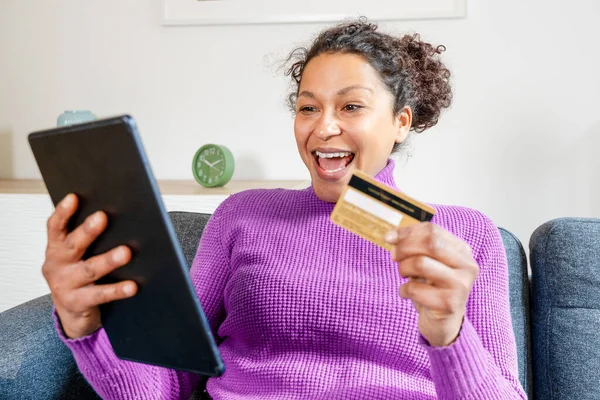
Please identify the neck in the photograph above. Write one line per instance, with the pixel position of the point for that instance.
(386, 175)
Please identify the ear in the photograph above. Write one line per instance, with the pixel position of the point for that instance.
(403, 122)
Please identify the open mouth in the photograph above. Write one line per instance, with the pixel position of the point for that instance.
(334, 161)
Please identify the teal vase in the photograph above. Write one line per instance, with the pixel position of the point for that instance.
(74, 117)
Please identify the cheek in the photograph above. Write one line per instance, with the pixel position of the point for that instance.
(301, 132)
(364, 133)
(370, 136)
(301, 135)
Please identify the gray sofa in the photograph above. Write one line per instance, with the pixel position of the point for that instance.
(556, 319)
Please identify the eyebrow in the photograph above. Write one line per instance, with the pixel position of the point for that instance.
(353, 87)
(341, 92)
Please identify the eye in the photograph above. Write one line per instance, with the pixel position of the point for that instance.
(352, 107)
(307, 109)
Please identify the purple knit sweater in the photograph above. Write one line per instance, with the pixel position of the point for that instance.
(303, 309)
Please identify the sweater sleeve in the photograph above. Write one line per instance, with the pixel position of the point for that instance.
(113, 378)
(482, 362)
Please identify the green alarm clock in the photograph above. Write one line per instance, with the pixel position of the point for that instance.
(213, 165)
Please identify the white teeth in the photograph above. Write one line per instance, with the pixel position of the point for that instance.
(332, 155)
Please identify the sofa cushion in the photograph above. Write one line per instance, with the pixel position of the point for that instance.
(565, 263)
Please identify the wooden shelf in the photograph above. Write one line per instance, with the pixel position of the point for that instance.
(167, 187)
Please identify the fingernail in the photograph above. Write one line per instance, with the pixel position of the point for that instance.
(95, 220)
(119, 254)
(391, 236)
(128, 289)
(67, 201)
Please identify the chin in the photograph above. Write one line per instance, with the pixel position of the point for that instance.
(330, 176)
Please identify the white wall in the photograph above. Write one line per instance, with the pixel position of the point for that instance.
(520, 142)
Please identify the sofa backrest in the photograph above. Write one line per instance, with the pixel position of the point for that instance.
(189, 227)
(565, 313)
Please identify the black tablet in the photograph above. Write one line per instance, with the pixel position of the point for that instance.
(104, 164)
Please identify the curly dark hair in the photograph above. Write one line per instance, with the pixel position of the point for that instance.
(410, 68)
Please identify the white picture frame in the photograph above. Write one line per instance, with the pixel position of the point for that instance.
(230, 12)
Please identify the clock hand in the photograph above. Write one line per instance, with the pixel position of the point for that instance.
(215, 163)
(207, 163)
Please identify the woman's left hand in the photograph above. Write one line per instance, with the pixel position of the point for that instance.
(441, 272)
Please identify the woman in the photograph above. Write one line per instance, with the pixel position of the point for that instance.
(300, 307)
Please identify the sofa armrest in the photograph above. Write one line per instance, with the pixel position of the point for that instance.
(518, 282)
(565, 264)
(35, 364)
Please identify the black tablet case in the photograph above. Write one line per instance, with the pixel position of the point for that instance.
(104, 163)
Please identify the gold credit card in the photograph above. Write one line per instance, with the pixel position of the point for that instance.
(370, 209)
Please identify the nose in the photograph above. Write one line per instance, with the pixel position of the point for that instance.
(327, 126)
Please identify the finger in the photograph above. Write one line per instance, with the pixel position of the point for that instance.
(89, 271)
(95, 295)
(85, 234)
(431, 240)
(441, 300)
(57, 223)
(428, 270)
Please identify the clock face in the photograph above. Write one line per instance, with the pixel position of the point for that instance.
(213, 166)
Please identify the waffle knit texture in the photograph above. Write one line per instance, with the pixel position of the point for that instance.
(303, 309)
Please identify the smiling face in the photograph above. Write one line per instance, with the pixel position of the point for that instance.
(344, 121)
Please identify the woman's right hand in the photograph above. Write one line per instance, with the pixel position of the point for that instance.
(71, 279)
